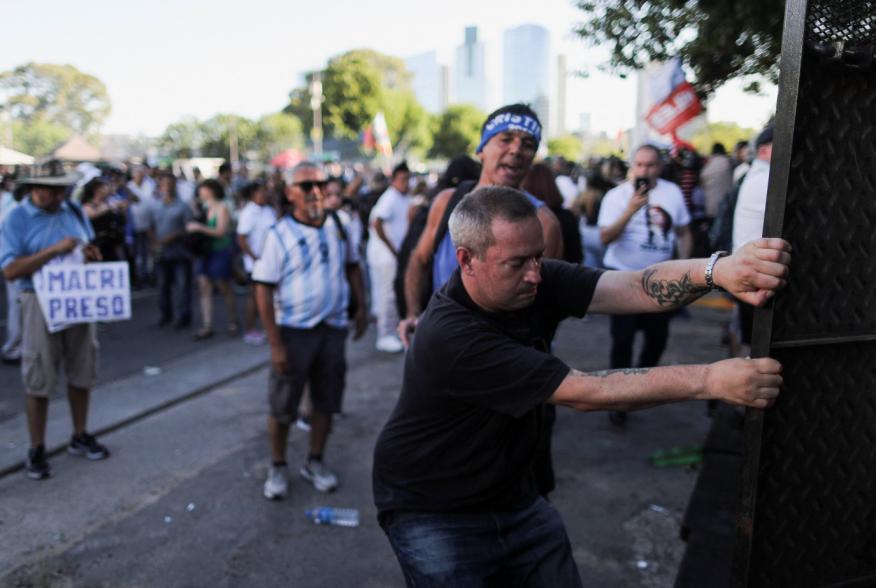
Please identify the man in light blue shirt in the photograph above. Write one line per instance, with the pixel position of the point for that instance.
(44, 227)
(11, 352)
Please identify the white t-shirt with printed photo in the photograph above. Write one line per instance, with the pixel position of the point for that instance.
(649, 236)
(254, 223)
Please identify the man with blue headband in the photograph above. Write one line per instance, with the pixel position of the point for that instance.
(509, 139)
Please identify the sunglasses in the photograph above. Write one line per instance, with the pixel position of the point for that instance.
(308, 185)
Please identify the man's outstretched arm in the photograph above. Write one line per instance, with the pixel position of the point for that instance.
(753, 274)
(745, 382)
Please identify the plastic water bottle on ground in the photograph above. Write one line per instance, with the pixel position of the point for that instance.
(327, 515)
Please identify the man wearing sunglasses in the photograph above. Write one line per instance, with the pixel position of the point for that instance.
(307, 270)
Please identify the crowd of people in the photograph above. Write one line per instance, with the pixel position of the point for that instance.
(472, 270)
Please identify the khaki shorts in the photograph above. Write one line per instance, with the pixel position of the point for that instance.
(43, 353)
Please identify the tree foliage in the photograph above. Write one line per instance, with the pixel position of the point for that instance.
(299, 105)
(37, 138)
(358, 84)
(408, 123)
(567, 146)
(276, 132)
(270, 134)
(726, 133)
(457, 131)
(53, 97)
(717, 40)
(182, 138)
(353, 92)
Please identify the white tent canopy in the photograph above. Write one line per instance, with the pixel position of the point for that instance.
(11, 157)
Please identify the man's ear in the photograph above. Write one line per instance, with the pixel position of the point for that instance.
(464, 258)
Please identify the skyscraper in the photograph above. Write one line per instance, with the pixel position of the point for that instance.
(526, 68)
(562, 75)
(470, 73)
(429, 81)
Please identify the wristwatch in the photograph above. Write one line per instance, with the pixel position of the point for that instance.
(710, 266)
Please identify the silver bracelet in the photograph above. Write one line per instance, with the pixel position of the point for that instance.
(710, 266)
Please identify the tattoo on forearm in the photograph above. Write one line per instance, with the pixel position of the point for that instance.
(671, 292)
(623, 371)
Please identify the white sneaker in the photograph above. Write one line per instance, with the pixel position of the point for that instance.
(303, 423)
(319, 475)
(276, 485)
(389, 344)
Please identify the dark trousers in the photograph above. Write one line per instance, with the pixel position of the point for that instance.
(142, 257)
(527, 547)
(623, 334)
(175, 274)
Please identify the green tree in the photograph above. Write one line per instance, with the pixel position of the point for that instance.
(566, 146)
(39, 137)
(457, 131)
(352, 87)
(717, 40)
(408, 123)
(182, 138)
(278, 131)
(50, 97)
(356, 86)
(394, 75)
(299, 106)
(726, 133)
(217, 131)
(602, 146)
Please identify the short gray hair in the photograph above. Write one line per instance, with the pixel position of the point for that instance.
(471, 221)
(306, 164)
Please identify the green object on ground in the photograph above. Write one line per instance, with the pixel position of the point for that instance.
(676, 456)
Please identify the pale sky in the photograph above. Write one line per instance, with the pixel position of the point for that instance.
(163, 60)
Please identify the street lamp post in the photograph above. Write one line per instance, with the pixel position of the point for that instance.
(316, 100)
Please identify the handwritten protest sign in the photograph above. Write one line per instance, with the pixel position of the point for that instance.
(71, 293)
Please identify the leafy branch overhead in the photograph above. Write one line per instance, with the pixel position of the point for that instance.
(718, 41)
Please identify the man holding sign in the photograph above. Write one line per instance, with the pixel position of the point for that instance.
(43, 229)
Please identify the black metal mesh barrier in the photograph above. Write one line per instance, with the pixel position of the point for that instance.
(830, 212)
(842, 30)
(815, 522)
(808, 512)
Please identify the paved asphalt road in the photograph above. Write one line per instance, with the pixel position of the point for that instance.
(125, 347)
(179, 503)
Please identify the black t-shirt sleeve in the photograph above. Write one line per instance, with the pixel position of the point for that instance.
(491, 370)
(566, 288)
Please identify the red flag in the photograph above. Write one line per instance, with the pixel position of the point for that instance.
(679, 107)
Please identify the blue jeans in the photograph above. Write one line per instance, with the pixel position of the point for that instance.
(527, 547)
(175, 274)
(142, 257)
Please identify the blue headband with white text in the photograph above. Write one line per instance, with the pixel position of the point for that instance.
(508, 121)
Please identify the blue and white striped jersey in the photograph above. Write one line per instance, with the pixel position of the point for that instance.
(307, 264)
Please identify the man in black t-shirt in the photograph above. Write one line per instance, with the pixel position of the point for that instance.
(453, 467)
